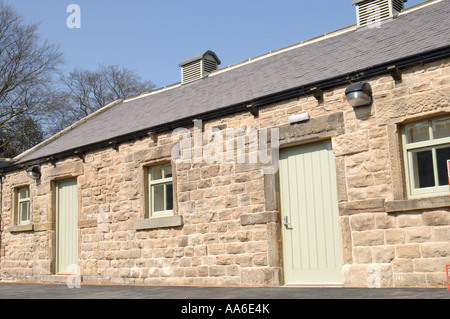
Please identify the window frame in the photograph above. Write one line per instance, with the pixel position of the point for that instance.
(151, 185)
(19, 221)
(432, 145)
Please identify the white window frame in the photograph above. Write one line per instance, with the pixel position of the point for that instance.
(19, 210)
(429, 145)
(151, 191)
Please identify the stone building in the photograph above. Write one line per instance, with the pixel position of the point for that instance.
(320, 163)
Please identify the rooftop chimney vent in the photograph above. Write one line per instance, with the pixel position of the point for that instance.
(198, 66)
(369, 12)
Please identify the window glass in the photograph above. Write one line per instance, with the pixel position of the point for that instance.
(156, 173)
(24, 210)
(169, 196)
(442, 154)
(441, 128)
(158, 198)
(24, 193)
(424, 175)
(418, 132)
(167, 171)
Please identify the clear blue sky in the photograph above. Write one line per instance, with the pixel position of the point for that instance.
(152, 37)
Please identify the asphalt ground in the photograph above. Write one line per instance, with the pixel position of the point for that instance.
(88, 291)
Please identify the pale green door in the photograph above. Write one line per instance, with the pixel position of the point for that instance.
(66, 227)
(311, 237)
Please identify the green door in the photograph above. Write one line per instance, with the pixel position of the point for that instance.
(311, 236)
(66, 227)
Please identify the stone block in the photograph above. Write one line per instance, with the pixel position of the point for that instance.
(260, 218)
(418, 234)
(256, 247)
(434, 249)
(368, 238)
(371, 275)
(442, 233)
(362, 222)
(409, 280)
(437, 279)
(362, 255)
(260, 276)
(383, 255)
(409, 220)
(403, 265)
(431, 264)
(384, 221)
(361, 180)
(408, 251)
(436, 218)
(217, 271)
(351, 143)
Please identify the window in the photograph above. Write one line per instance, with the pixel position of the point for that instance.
(23, 206)
(426, 151)
(160, 190)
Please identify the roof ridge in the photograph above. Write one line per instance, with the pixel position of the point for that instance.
(260, 57)
(315, 39)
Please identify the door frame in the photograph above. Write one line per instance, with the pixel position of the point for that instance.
(299, 144)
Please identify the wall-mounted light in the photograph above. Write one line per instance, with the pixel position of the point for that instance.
(359, 94)
(34, 172)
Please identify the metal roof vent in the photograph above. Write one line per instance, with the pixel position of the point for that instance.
(372, 12)
(198, 66)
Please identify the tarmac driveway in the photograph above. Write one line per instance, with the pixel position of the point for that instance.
(61, 291)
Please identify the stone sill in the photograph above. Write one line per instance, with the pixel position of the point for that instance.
(417, 204)
(159, 222)
(21, 228)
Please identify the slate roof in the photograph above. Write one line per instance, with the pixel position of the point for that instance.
(412, 32)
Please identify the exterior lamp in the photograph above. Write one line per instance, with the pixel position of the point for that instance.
(359, 94)
(34, 172)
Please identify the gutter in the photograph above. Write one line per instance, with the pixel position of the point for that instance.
(304, 90)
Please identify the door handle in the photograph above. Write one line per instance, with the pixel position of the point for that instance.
(286, 222)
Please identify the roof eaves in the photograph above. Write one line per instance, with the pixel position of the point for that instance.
(68, 129)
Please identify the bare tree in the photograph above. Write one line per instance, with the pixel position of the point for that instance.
(27, 65)
(29, 96)
(86, 91)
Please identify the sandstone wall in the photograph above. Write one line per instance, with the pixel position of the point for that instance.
(230, 232)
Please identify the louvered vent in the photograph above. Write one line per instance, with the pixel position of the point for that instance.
(369, 12)
(209, 65)
(192, 71)
(198, 66)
